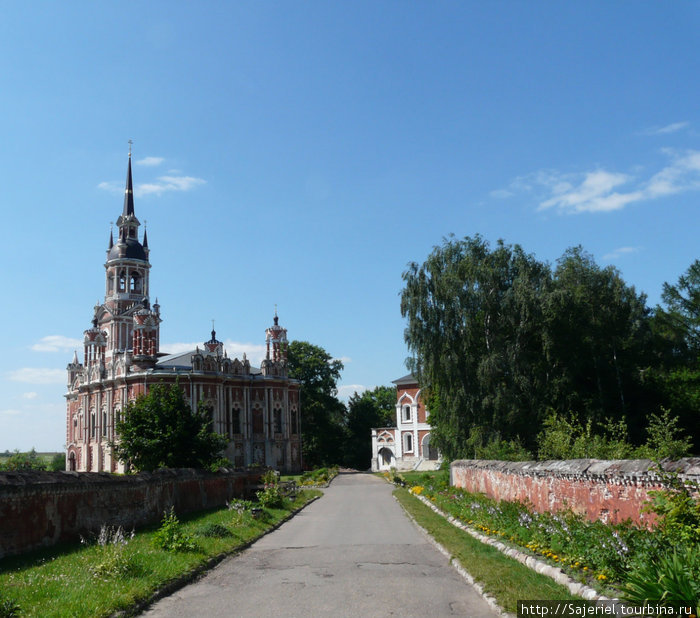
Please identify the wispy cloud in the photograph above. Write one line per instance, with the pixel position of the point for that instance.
(165, 184)
(36, 375)
(31, 395)
(56, 343)
(669, 128)
(620, 251)
(604, 191)
(150, 161)
(10, 412)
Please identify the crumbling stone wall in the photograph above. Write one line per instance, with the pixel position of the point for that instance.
(39, 509)
(610, 491)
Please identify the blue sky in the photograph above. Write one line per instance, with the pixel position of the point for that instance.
(303, 153)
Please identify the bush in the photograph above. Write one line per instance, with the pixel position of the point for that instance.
(170, 536)
(8, 607)
(215, 531)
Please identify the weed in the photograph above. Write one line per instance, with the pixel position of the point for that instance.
(170, 536)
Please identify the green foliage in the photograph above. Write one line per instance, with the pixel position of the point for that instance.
(212, 530)
(8, 607)
(493, 447)
(677, 508)
(665, 439)
(57, 463)
(323, 426)
(270, 496)
(24, 461)
(668, 578)
(113, 559)
(375, 408)
(170, 536)
(160, 430)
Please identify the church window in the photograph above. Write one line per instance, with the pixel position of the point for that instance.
(258, 421)
(135, 283)
(122, 282)
(278, 420)
(295, 421)
(408, 442)
(92, 424)
(104, 422)
(407, 414)
(236, 420)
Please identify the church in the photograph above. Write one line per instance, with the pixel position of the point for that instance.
(257, 409)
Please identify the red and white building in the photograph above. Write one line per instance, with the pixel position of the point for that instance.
(256, 409)
(406, 446)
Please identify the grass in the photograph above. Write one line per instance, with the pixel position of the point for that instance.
(505, 579)
(59, 582)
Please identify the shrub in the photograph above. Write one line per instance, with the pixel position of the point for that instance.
(215, 531)
(170, 536)
(8, 607)
(270, 497)
(113, 558)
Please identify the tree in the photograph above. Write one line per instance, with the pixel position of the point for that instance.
(24, 461)
(323, 415)
(375, 408)
(160, 430)
(475, 332)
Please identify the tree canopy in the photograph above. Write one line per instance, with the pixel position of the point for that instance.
(375, 408)
(500, 341)
(160, 430)
(323, 415)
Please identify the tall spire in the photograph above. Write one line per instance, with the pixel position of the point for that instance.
(129, 191)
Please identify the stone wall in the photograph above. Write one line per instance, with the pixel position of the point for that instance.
(39, 509)
(610, 491)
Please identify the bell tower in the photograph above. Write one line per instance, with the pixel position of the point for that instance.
(131, 325)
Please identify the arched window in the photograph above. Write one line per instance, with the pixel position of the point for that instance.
(135, 283)
(408, 443)
(278, 420)
(258, 426)
(122, 282)
(407, 414)
(236, 421)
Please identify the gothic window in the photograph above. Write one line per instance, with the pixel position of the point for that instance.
(258, 426)
(135, 283)
(407, 414)
(278, 420)
(408, 443)
(92, 424)
(104, 422)
(236, 420)
(122, 282)
(295, 421)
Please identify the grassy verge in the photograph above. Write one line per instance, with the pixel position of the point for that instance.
(505, 579)
(68, 581)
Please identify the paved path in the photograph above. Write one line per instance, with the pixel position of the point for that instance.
(352, 553)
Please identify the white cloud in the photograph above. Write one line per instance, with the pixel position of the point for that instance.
(150, 161)
(57, 343)
(346, 391)
(164, 184)
(620, 251)
(501, 194)
(344, 359)
(36, 375)
(10, 412)
(603, 191)
(112, 186)
(31, 395)
(670, 128)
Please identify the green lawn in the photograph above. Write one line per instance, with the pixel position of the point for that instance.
(62, 581)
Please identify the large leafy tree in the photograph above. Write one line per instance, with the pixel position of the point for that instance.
(323, 415)
(475, 332)
(499, 341)
(375, 408)
(597, 340)
(160, 430)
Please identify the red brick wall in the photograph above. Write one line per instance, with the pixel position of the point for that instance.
(610, 491)
(39, 509)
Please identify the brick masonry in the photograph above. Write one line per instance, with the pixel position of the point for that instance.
(609, 491)
(40, 509)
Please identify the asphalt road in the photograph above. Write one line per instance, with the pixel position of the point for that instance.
(354, 552)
